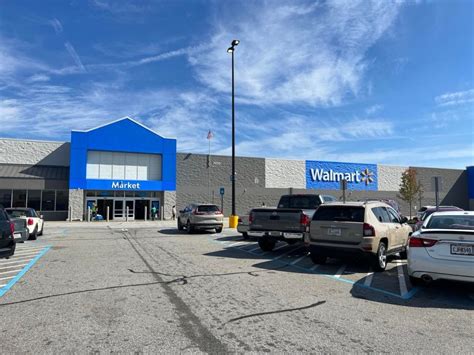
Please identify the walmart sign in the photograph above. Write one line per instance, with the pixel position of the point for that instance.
(326, 175)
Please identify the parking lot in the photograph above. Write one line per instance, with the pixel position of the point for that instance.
(145, 287)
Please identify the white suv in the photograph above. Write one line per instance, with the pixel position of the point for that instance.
(34, 222)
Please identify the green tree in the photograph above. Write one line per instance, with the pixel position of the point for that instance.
(409, 187)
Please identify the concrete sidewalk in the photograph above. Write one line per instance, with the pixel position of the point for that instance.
(119, 224)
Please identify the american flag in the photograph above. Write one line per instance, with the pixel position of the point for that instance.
(209, 135)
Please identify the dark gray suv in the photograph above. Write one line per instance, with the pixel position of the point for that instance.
(7, 240)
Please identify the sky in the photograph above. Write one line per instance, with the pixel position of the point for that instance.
(357, 81)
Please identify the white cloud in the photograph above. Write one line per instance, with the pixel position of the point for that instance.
(58, 27)
(305, 53)
(373, 109)
(455, 98)
(75, 57)
(38, 77)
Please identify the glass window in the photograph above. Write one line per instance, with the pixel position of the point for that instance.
(393, 215)
(34, 199)
(62, 199)
(381, 214)
(208, 208)
(6, 198)
(90, 193)
(48, 200)
(119, 193)
(19, 198)
(296, 201)
(339, 213)
(465, 222)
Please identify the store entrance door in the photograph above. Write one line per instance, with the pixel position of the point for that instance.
(102, 205)
(140, 209)
(130, 205)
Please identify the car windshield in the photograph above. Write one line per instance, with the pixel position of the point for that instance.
(303, 202)
(339, 213)
(451, 222)
(211, 208)
(20, 213)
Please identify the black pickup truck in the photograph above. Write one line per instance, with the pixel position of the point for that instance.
(7, 241)
(287, 222)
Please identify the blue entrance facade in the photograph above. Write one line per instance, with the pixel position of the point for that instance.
(124, 168)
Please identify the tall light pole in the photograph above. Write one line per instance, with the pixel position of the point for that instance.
(233, 218)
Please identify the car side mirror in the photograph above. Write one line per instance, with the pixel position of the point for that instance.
(41, 216)
(404, 220)
(181, 211)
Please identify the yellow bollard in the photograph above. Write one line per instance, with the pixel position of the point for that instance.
(233, 221)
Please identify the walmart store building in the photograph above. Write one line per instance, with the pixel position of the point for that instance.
(125, 166)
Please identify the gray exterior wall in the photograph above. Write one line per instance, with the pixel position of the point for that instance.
(454, 186)
(389, 177)
(31, 152)
(281, 173)
(76, 204)
(169, 200)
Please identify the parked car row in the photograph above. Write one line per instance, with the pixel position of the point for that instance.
(16, 226)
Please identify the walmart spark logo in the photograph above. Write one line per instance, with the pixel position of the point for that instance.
(367, 176)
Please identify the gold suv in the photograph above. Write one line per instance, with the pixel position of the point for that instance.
(369, 228)
(199, 217)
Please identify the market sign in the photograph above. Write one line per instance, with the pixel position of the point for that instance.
(324, 175)
(125, 185)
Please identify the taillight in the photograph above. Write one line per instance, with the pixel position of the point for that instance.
(368, 230)
(30, 221)
(240, 220)
(421, 242)
(304, 219)
(12, 228)
(250, 218)
(218, 212)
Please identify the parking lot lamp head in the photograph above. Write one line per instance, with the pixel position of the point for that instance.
(235, 42)
(230, 49)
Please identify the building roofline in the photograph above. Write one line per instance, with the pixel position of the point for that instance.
(118, 120)
(32, 140)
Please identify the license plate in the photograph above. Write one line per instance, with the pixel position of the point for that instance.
(275, 234)
(334, 231)
(462, 249)
(293, 235)
(17, 235)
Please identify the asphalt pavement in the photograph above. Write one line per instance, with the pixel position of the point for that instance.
(145, 288)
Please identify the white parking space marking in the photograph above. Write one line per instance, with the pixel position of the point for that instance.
(314, 267)
(236, 244)
(15, 262)
(298, 260)
(12, 269)
(6, 278)
(340, 271)
(281, 246)
(254, 249)
(401, 278)
(368, 279)
(286, 253)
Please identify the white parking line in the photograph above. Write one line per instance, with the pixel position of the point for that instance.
(25, 253)
(281, 246)
(288, 252)
(368, 278)
(234, 244)
(19, 258)
(21, 248)
(11, 271)
(13, 266)
(15, 262)
(298, 260)
(7, 278)
(401, 278)
(254, 249)
(340, 271)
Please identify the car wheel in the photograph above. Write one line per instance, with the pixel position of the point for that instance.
(180, 226)
(318, 258)
(245, 235)
(189, 227)
(219, 230)
(266, 244)
(34, 235)
(380, 259)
